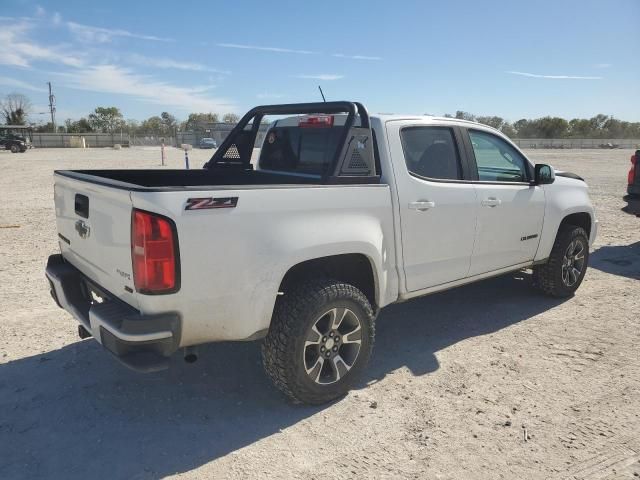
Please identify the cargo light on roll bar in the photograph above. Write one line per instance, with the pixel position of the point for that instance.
(316, 121)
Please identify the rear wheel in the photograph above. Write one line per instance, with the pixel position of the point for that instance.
(565, 269)
(320, 341)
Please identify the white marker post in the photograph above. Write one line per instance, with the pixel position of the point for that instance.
(162, 152)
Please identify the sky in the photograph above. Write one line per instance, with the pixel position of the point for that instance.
(516, 59)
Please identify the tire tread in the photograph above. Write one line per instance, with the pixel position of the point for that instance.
(286, 329)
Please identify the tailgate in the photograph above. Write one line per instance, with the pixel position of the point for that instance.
(94, 233)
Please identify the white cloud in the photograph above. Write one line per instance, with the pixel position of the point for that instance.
(20, 85)
(322, 76)
(88, 33)
(173, 64)
(265, 49)
(19, 51)
(553, 77)
(603, 65)
(40, 11)
(355, 57)
(121, 81)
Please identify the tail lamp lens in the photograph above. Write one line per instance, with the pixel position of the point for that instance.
(153, 252)
(632, 170)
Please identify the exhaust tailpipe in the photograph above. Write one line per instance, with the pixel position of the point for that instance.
(190, 354)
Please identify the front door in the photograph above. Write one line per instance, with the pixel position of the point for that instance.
(510, 209)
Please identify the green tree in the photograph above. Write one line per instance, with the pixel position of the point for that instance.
(579, 128)
(168, 122)
(461, 115)
(15, 109)
(79, 126)
(230, 118)
(132, 126)
(195, 119)
(508, 130)
(106, 119)
(495, 122)
(152, 125)
(551, 127)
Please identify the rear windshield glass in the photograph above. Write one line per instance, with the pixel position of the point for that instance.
(299, 150)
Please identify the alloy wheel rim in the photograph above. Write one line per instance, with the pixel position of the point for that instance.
(573, 263)
(332, 345)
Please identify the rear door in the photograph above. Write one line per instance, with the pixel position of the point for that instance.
(437, 209)
(510, 209)
(94, 233)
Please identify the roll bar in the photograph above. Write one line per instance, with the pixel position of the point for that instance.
(237, 147)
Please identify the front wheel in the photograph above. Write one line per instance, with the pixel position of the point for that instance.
(14, 149)
(565, 269)
(320, 341)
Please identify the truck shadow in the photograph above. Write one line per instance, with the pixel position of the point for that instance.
(75, 413)
(622, 260)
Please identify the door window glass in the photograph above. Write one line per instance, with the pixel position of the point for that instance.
(431, 152)
(497, 161)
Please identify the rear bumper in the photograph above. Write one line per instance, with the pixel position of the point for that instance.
(141, 342)
(633, 189)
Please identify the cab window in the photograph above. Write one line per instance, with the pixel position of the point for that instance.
(497, 161)
(431, 152)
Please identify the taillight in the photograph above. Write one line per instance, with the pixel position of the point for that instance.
(632, 170)
(316, 121)
(154, 253)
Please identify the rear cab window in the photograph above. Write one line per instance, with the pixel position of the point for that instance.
(302, 145)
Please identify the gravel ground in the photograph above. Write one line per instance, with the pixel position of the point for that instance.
(490, 380)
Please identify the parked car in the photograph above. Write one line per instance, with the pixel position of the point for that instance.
(343, 215)
(633, 179)
(208, 143)
(14, 143)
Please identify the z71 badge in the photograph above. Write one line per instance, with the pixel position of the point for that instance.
(208, 203)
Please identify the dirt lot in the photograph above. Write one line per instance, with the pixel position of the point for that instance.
(458, 380)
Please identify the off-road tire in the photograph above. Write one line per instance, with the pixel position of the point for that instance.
(14, 149)
(294, 316)
(547, 277)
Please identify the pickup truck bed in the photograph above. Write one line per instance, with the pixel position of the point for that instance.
(165, 180)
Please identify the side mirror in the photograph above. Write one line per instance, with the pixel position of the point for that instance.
(544, 174)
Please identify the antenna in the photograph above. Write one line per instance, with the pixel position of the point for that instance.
(322, 93)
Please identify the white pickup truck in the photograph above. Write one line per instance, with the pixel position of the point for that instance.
(343, 214)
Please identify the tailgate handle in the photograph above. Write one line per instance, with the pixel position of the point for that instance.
(82, 205)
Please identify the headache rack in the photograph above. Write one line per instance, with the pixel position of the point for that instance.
(353, 161)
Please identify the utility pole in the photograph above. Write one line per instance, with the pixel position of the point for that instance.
(52, 107)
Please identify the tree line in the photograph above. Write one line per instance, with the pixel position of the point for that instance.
(599, 126)
(15, 108)
(111, 120)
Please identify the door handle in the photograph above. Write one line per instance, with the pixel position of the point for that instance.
(422, 205)
(491, 202)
